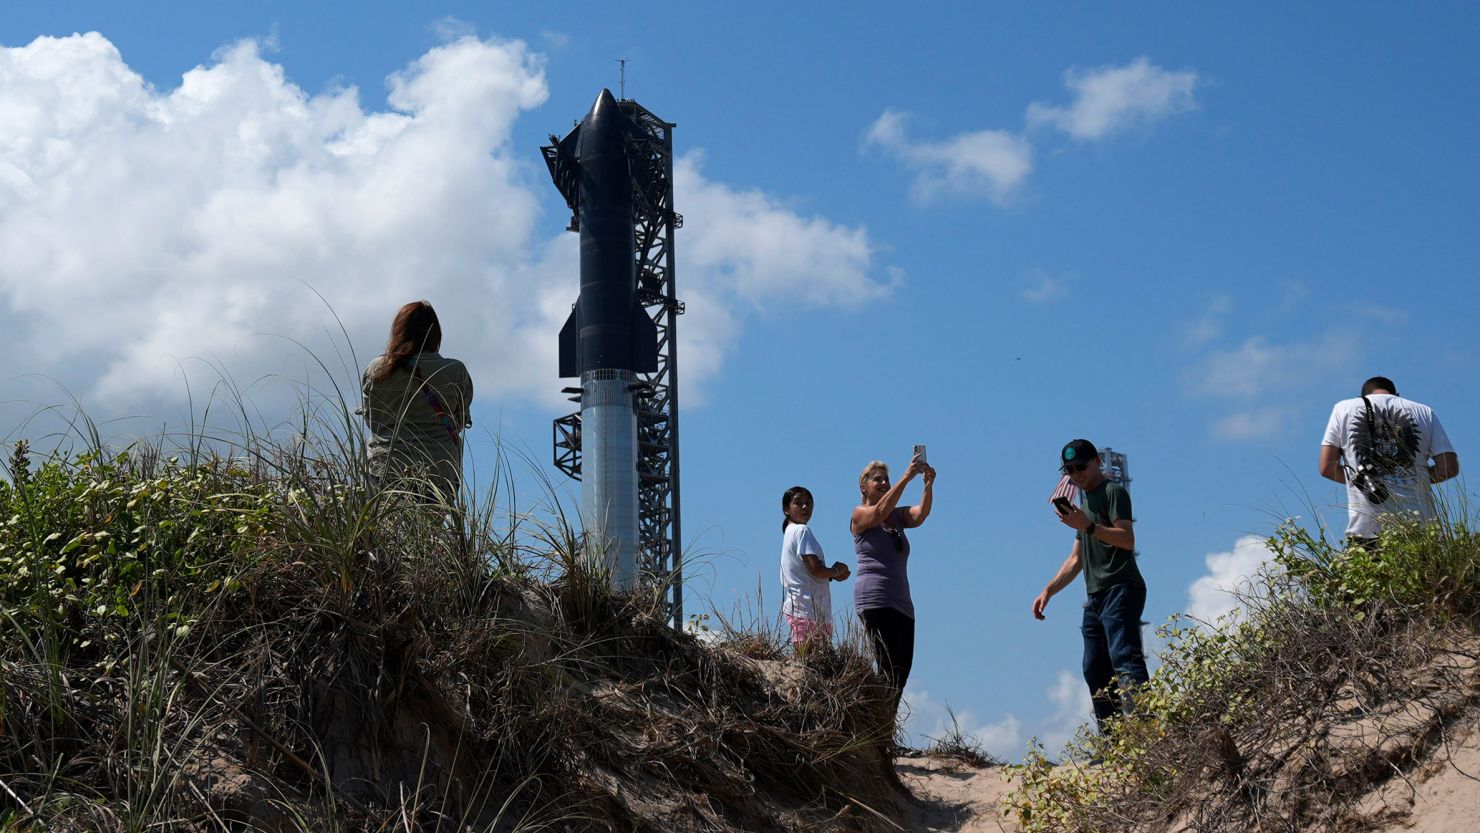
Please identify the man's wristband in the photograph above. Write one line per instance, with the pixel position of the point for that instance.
(1090, 530)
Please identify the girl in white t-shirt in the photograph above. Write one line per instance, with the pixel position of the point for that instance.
(805, 593)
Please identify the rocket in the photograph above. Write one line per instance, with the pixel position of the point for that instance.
(609, 337)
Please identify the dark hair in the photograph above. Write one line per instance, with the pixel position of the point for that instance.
(1379, 383)
(786, 499)
(414, 330)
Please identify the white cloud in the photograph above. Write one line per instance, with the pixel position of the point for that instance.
(172, 224)
(1209, 326)
(1258, 366)
(1043, 288)
(1381, 313)
(1109, 99)
(984, 163)
(1203, 330)
(747, 244)
(1295, 292)
(930, 719)
(1258, 379)
(995, 163)
(1216, 594)
(145, 229)
(1073, 707)
(1251, 424)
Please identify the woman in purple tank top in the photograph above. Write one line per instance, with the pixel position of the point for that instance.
(881, 592)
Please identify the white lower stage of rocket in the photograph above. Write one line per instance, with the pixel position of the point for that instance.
(609, 473)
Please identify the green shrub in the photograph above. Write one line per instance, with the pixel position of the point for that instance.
(1317, 630)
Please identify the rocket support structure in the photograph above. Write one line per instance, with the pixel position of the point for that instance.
(609, 342)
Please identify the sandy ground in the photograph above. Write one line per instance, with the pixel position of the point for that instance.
(1443, 796)
(1449, 802)
(955, 797)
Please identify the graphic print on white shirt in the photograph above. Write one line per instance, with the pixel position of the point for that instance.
(1390, 440)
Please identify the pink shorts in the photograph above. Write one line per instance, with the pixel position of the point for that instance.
(808, 630)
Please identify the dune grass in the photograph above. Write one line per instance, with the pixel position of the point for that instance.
(1344, 669)
(245, 631)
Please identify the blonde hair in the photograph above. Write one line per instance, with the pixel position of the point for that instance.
(870, 469)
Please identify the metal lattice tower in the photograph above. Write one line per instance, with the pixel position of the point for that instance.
(1115, 466)
(650, 159)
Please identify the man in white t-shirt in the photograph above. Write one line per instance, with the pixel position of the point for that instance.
(1380, 445)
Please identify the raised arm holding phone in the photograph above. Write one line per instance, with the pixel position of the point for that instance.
(881, 593)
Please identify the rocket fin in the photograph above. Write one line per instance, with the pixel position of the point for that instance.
(570, 343)
(644, 340)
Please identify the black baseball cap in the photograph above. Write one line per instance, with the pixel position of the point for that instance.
(1076, 451)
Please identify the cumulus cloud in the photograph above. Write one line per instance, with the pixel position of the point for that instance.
(1216, 594)
(1109, 99)
(930, 718)
(994, 164)
(984, 163)
(1073, 708)
(158, 225)
(142, 229)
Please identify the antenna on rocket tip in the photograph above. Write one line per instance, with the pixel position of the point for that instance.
(622, 84)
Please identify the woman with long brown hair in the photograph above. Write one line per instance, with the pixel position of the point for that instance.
(416, 403)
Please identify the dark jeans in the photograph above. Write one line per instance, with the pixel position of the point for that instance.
(1112, 646)
(893, 637)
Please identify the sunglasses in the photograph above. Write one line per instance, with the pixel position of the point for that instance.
(898, 538)
(1074, 468)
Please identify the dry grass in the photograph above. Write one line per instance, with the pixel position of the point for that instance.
(292, 650)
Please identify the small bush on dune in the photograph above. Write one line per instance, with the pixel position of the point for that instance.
(957, 745)
(1345, 666)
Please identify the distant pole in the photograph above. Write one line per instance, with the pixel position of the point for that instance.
(622, 80)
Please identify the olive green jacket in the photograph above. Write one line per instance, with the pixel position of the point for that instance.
(405, 429)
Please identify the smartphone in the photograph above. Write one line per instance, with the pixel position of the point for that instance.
(1061, 504)
(920, 452)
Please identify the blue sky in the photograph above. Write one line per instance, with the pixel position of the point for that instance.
(1180, 231)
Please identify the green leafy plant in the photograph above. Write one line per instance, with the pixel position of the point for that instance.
(1249, 723)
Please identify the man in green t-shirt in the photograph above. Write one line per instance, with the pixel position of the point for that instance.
(1104, 548)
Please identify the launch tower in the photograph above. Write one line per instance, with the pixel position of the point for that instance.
(652, 384)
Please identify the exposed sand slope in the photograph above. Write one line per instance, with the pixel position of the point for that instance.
(954, 796)
(1444, 796)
